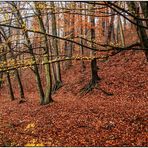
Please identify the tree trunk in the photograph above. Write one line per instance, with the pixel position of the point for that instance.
(9, 81)
(30, 48)
(144, 6)
(110, 29)
(17, 75)
(10, 87)
(121, 32)
(48, 98)
(55, 46)
(69, 23)
(48, 90)
(94, 70)
(1, 79)
(7, 74)
(94, 67)
(141, 31)
(81, 41)
(20, 86)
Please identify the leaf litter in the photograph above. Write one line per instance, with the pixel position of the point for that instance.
(94, 119)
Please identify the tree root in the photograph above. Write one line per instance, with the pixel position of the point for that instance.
(105, 92)
(21, 101)
(56, 86)
(90, 86)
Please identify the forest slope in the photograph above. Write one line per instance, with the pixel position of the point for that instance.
(94, 119)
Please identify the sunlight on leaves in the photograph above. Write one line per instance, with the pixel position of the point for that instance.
(29, 126)
(30, 144)
(40, 144)
(33, 143)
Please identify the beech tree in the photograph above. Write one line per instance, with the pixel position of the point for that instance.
(94, 69)
(20, 86)
(30, 48)
(47, 98)
(9, 83)
(48, 34)
(58, 81)
(142, 33)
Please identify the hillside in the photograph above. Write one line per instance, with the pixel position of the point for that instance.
(112, 114)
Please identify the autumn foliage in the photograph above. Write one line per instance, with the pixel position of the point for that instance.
(73, 74)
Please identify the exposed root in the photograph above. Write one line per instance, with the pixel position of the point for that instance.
(93, 84)
(57, 86)
(89, 87)
(21, 101)
(105, 92)
(48, 102)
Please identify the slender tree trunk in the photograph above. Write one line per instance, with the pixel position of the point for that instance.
(73, 26)
(20, 86)
(9, 82)
(1, 79)
(48, 90)
(69, 23)
(125, 18)
(141, 31)
(81, 41)
(36, 71)
(10, 87)
(30, 48)
(110, 29)
(53, 73)
(121, 32)
(144, 6)
(17, 75)
(1, 73)
(94, 68)
(93, 65)
(55, 46)
(48, 97)
(8, 75)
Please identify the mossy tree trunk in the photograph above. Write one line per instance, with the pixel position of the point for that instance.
(47, 98)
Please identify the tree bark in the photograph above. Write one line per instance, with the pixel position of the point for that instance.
(58, 81)
(110, 29)
(94, 68)
(7, 74)
(81, 41)
(141, 31)
(47, 98)
(121, 32)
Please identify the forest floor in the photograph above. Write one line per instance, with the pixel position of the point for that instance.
(93, 119)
